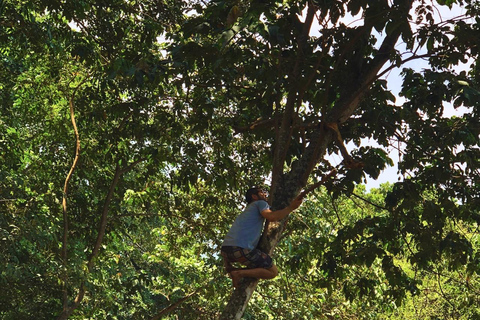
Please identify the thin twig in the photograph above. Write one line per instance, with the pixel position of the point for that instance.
(173, 306)
(335, 209)
(368, 201)
(314, 186)
(443, 293)
(182, 300)
(393, 66)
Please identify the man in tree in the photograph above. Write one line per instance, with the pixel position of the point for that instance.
(241, 241)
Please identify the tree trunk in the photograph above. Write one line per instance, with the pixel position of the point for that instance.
(285, 186)
(241, 296)
(239, 300)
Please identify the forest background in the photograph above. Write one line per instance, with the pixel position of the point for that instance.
(130, 130)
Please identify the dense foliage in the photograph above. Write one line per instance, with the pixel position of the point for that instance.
(130, 129)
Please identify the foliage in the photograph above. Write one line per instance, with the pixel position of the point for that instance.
(179, 106)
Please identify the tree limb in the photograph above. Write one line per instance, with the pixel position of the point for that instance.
(348, 161)
(413, 57)
(101, 232)
(182, 300)
(314, 186)
(368, 201)
(261, 124)
(257, 124)
(350, 98)
(65, 193)
(283, 142)
(174, 305)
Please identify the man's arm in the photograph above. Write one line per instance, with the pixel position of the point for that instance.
(278, 215)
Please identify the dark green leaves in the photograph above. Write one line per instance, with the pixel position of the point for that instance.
(186, 99)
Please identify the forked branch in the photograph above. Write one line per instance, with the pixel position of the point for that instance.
(349, 162)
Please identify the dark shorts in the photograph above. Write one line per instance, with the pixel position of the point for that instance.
(250, 258)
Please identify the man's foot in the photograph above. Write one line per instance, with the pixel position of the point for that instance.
(235, 278)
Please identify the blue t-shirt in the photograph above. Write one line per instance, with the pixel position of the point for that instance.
(247, 227)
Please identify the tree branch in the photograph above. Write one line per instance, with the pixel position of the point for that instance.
(174, 305)
(368, 201)
(350, 99)
(348, 161)
(283, 142)
(346, 105)
(314, 186)
(335, 209)
(257, 124)
(261, 124)
(182, 300)
(101, 232)
(413, 57)
(131, 166)
(65, 193)
(319, 140)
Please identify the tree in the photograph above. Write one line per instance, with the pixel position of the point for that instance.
(107, 81)
(179, 106)
(299, 94)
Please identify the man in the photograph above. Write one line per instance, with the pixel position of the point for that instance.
(240, 244)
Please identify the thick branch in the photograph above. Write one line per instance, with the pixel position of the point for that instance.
(350, 98)
(283, 142)
(319, 140)
(345, 107)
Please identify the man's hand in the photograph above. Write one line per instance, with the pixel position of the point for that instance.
(296, 203)
(281, 214)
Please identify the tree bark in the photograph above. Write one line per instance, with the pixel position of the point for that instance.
(239, 299)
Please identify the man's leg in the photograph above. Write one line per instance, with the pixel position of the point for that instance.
(258, 273)
(259, 264)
